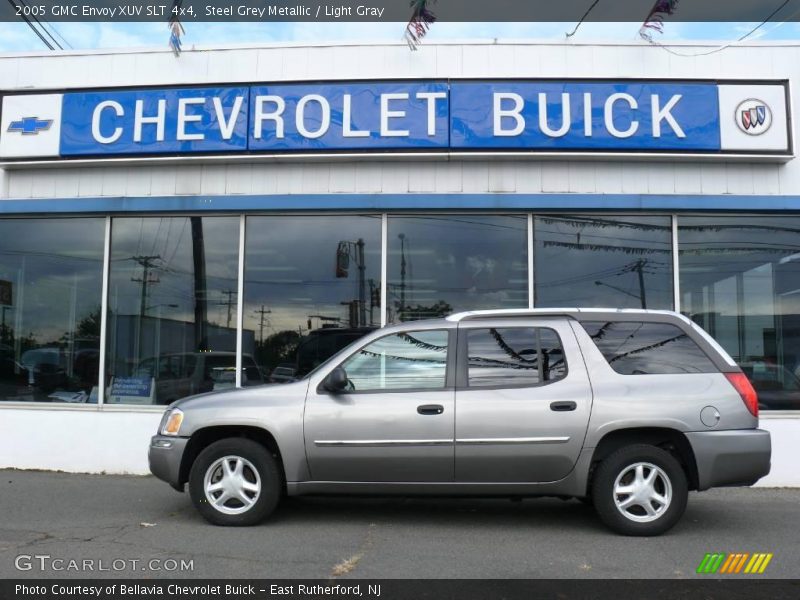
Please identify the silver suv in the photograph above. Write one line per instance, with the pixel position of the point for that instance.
(626, 409)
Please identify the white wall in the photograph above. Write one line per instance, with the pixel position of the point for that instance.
(76, 441)
(116, 441)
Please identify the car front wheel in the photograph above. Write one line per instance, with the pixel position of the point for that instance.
(235, 482)
(640, 490)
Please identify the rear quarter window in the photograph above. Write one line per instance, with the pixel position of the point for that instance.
(641, 348)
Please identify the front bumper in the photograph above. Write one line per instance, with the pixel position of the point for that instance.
(732, 457)
(165, 455)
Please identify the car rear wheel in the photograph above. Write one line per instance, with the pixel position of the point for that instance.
(640, 490)
(235, 482)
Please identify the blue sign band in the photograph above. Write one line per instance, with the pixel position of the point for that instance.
(155, 121)
(405, 115)
(585, 116)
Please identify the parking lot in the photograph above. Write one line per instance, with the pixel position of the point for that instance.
(139, 519)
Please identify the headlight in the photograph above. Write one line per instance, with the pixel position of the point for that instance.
(172, 422)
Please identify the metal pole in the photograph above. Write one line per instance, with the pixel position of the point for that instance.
(384, 268)
(101, 390)
(402, 310)
(240, 303)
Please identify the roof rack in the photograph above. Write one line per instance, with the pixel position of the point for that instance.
(539, 312)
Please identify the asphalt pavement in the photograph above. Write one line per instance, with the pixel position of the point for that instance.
(124, 524)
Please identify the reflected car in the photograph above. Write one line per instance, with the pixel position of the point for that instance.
(283, 373)
(46, 368)
(186, 373)
(777, 387)
(13, 380)
(319, 345)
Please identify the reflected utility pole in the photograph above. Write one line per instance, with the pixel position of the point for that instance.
(343, 253)
(229, 303)
(263, 311)
(200, 300)
(638, 268)
(148, 263)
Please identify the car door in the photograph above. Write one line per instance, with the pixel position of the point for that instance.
(395, 421)
(523, 401)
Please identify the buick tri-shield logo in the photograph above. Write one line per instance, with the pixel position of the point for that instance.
(753, 116)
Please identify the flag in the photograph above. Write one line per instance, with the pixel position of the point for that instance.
(421, 20)
(655, 20)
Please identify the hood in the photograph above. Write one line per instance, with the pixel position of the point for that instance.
(260, 394)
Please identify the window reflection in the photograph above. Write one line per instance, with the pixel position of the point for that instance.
(172, 308)
(312, 286)
(413, 360)
(635, 348)
(618, 262)
(520, 356)
(443, 264)
(50, 288)
(740, 281)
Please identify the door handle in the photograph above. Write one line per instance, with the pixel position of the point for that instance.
(430, 409)
(563, 406)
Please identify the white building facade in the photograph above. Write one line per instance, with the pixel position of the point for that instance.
(170, 226)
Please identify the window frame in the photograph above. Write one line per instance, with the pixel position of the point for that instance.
(449, 373)
(462, 378)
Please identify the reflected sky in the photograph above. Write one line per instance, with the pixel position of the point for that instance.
(291, 271)
(447, 263)
(55, 269)
(167, 242)
(617, 262)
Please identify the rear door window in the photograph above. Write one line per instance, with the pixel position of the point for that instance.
(636, 348)
(514, 357)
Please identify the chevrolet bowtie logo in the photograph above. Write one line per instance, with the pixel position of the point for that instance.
(30, 125)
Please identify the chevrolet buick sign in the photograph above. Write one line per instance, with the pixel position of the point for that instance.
(456, 116)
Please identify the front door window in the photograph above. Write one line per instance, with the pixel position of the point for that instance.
(403, 361)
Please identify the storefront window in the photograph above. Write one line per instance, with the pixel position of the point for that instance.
(50, 288)
(172, 309)
(615, 262)
(312, 286)
(740, 281)
(443, 264)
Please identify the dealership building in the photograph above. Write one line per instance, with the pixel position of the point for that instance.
(173, 225)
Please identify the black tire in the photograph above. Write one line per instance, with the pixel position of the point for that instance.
(261, 462)
(621, 463)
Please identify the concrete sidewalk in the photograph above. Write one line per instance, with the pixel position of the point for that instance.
(125, 519)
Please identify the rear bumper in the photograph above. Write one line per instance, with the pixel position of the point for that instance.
(731, 458)
(165, 455)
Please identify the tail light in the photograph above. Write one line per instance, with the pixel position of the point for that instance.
(742, 385)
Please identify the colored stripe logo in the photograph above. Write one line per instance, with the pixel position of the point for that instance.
(734, 563)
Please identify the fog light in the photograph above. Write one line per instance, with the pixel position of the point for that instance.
(162, 444)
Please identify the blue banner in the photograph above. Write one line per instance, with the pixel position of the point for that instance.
(404, 115)
(155, 121)
(352, 116)
(584, 116)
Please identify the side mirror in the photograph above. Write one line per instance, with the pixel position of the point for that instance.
(336, 381)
